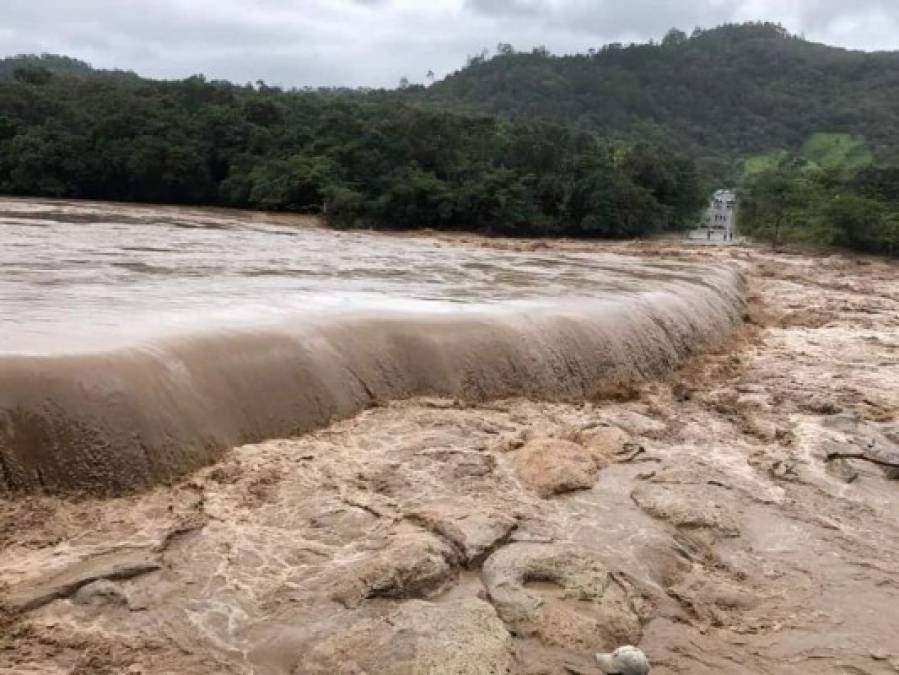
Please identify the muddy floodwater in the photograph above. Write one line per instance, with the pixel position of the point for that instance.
(140, 342)
(241, 443)
(91, 275)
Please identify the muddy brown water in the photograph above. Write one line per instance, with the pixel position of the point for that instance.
(139, 342)
(77, 276)
(698, 515)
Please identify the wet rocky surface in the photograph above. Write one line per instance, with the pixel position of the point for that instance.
(737, 517)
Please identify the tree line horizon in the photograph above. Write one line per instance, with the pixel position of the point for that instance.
(619, 142)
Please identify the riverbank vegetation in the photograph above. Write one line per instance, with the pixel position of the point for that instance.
(803, 128)
(719, 95)
(361, 160)
(789, 202)
(621, 141)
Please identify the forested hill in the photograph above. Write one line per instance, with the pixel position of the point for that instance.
(51, 63)
(624, 141)
(720, 95)
(362, 159)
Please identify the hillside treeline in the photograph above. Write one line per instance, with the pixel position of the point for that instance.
(806, 130)
(362, 160)
(788, 202)
(621, 141)
(720, 95)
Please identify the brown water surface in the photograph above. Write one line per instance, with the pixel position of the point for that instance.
(137, 343)
(82, 275)
(700, 515)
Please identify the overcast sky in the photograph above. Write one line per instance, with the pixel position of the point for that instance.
(376, 42)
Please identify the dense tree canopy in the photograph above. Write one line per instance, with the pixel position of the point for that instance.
(720, 95)
(789, 203)
(808, 130)
(621, 141)
(362, 159)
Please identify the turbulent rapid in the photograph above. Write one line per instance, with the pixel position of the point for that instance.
(138, 343)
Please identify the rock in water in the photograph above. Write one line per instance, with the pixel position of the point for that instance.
(606, 444)
(462, 637)
(473, 528)
(576, 603)
(552, 466)
(102, 592)
(415, 564)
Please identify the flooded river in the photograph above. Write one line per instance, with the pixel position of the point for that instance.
(139, 342)
(82, 275)
(303, 451)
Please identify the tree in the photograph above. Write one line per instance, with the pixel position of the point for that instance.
(725, 94)
(32, 74)
(771, 203)
(373, 159)
(7, 127)
(861, 223)
(674, 37)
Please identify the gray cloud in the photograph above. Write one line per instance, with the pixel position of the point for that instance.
(375, 42)
(507, 7)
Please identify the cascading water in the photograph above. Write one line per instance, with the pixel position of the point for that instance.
(138, 343)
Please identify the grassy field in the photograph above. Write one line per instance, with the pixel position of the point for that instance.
(845, 153)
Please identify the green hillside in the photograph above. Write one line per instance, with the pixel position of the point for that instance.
(360, 159)
(764, 162)
(842, 154)
(31, 66)
(721, 95)
(622, 141)
(53, 63)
